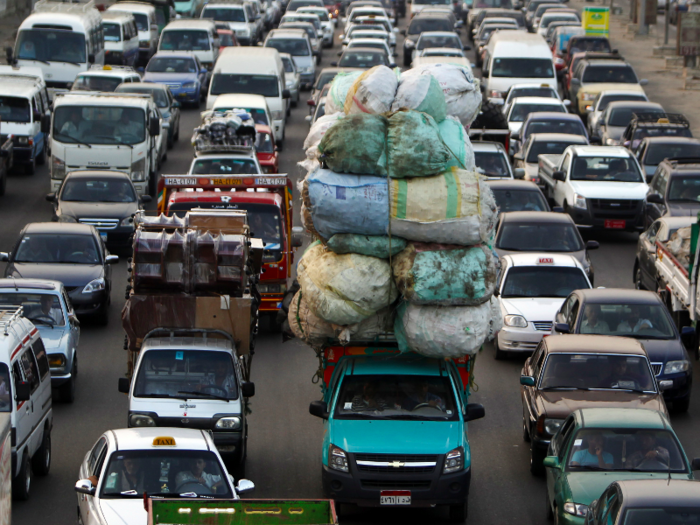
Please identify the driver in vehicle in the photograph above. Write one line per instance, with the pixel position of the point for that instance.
(126, 127)
(51, 308)
(619, 376)
(368, 399)
(594, 455)
(423, 396)
(220, 377)
(72, 126)
(634, 322)
(130, 478)
(196, 474)
(592, 323)
(650, 451)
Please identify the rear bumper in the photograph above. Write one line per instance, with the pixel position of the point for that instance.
(519, 340)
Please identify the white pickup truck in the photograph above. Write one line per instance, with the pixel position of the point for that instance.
(598, 186)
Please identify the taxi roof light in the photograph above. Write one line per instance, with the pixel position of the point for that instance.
(164, 441)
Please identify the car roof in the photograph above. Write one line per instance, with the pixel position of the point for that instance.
(142, 85)
(31, 284)
(606, 62)
(439, 33)
(610, 417)
(58, 228)
(592, 344)
(537, 100)
(363, 50)
(513, 184)
(619, 295)
(170, 54)
(557, 137)
(142, 438)
(666, 493)
(536, 216)
(409, 364)
(93, 174)
(188, 342)
(287, 33)
(191, 23)
(602, 151)
(642, 104)
(553, 115)
(533, 259)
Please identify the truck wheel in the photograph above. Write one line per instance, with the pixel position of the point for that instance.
(152, 184)
(23, 481)
(458, 513)
(490, 117)
(536, 459)
(41, 462)
(66, 392)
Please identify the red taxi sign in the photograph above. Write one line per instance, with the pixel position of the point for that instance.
(545, 260)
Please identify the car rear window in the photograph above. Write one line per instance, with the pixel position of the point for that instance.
(420, 25)
(539, 237)
(609, 74)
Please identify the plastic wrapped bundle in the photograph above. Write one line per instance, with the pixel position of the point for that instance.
(446, 331)
(381, 246)
(422, 93)
(372, 92)
(462, 92)
(679, 245)
(457, 141)
(445, 275)
(356, 144)
(344, 289)
(338, 92)
(415, 146)
(316, 133)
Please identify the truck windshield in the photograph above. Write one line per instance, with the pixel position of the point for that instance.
(51, 45)
(165, 472)
(641, 321)
(543, 281)
(14, 109)
(187, 374)
(224, 14)
(603, 371)
(99, 125)
(404, 397)
(265, 85)
(613, 169)
(41, 309)
(5, 401)
(523, 68)
(539, 237)
(184, 40)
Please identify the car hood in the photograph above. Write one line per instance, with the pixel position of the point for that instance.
(682, 209)
(663, 350)
(588, 486)
(599, 87)
(169, 77)
(533, 309)
(123, 511)
(610, 189)
(70, 275)
(104, 210)
(379, 437)
(559, 404)
(52, 337)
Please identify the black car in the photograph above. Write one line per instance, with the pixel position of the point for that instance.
(537, 231)
(71, 253)
(674, 190)
(517, 195)
(106, 200)
(640, 315)
(419, 24)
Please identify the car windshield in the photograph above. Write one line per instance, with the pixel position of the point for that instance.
(362, 59)
(264, 143)
(99, 125)
(658, 152)
(159, 95)
(296, 47)
(523, 68)
(520, 200)
(433, 2)
(661, 516)
(96, 83)
(310, 30)
(41, 309)
(97, 190)
(600, 45)
(439, 41)
(186, 374)
(520, 111)
(225, 38)
(609, 74)
(222, 14)
(567, 127)
(52, 45)
(628, 449)
(224, 166)
(607, 99)
(265, 85)
(14, 109)
(542, 147)
(171, 65)
(613, 169)
(641, 321)
(403, 397)
(597, 371)
(492, 164)
(5, 399)
(542, 281)
(421, 25)
(544, 92)
(164, 472)
(57, 248)
(620, 117)
(322, 14)
(539, 237)
(112, 31)
(184, 40)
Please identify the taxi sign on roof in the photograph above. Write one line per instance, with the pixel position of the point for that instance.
(164, 441)
(545, 260)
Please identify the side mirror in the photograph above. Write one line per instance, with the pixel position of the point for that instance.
(558, 209)
(50, 197)
(286, 93)
(519, 173)
(688, 336)
(248, 389)
(245, 485)
(45, 124)
(551, 462)
(318, 409)
(562, 328)
(176, 104)
(695, 464)
(297, 236)
(334, 64)
(146, 198)
(124, 385)
(22, 391)
(84, 486)
(655, 198)
(592, 245)
(4, 256)
(527, 380)
(474, 411)
(308, 118)
(112, 259)
(559, 175)
(153, 127)
(643, 82)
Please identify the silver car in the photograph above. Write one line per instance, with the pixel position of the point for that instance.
(292, 77)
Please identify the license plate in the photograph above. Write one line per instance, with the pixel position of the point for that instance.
(271, 181)
(227, 182)
(615, 224)
(395, 497)
(103, 235)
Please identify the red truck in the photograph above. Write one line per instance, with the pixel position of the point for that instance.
(268, 201)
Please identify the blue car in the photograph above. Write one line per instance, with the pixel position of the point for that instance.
(183, 73)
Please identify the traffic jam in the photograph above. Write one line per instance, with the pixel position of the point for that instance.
(452, 164)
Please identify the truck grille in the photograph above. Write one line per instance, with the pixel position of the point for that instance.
(395, 464)
(657, 368)
(395, 484)
(615, 208)
(101, 224)
(542, 326)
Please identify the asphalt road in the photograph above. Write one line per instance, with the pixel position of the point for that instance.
(285, 441)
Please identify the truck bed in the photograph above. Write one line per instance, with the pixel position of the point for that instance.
(674, 277)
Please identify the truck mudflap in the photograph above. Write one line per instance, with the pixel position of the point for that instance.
(240, 512)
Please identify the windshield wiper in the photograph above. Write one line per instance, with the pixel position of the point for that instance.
(168, 396)
(635, 390)
(207, 394)
(35, 59)
(588, 467)
(67, 62)
(117, 142)
(74, 139)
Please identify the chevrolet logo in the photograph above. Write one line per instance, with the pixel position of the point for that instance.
(397, 464)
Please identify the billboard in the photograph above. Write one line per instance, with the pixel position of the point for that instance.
(596, 21)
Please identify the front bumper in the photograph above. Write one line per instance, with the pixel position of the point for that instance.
(308, 78)
(185, 95)
(87, 303)
(625, 214)
(519, 339)
(228, 443)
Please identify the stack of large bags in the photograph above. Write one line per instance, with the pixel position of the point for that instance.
(404, 224)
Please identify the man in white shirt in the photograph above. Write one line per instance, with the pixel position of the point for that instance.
(634, 322)
(196, 474)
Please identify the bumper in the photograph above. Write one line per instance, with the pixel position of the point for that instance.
(58, 380)
(567, 519)
(228, 443)
(363, 488)
(185, 95)
(22, 154)
(87, 303)
(598, 216)
(519, 340)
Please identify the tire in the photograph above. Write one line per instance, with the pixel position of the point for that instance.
(41, 462)
(638, 278)
(526, 434)
(681, 407)
(22, 483)
(458, 513)
(548, 509)
(165, 156)
(3, 181)
(66, 392)
(490, 117)
(41, 159)
(536, 459)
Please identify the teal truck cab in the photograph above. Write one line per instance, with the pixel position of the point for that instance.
(395, 428)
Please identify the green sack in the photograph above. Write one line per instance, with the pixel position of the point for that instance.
(356, 144)
(372, 245)
(415, 147)
(457, 141)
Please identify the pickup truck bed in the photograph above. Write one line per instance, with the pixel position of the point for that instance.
(546, 166)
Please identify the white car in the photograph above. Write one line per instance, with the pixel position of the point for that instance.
(104, 78)
(327, 23)
(292, 78)
(531, 90)
(168, 462)
(517, 111)
(360, 32)
(601, 103)
(531, 291)
(431, 39)
(369, 42)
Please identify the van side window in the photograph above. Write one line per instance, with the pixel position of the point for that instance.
(31, 374)
(41, 359)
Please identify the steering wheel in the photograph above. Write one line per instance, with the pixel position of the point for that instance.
(191, 485)
(45, 318)
(423, 405)
(207, 389)
(652, 464)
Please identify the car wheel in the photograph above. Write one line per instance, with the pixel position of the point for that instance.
(526, 434)
(536, 459)
(67, 391)
(638, 278)
(548, 508)
(23, 482)
(458, 513)
(41, 462)
(681, 407)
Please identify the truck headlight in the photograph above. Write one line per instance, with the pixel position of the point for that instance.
(576, 509)
(138, 170)
(141, 420)
(94, 286)
(579, 201)
(128, 221)
(517, 321)
(228, 423)
(673, 367)
(337, 458)
(267, 169)
(552, 425)
(22, 141)
(454, 460)
(58, 168)
(494, 93)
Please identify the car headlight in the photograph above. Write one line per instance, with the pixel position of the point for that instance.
(66, 218)
(552, 425)
(57, 360)
(128, 221)
(95, 285)
(228, 423)
(22, 141)
(409, 43)
(576, 509)
(589, 96)
(189, 85)
(673, 367)
(276, 115)
(141, 420)
(517, 321)
(579, 201)
(454, 461)
(138, 170)
(337, 458)
(58, 168)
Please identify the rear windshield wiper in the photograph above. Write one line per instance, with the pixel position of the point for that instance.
(207, 394)
(57, 135)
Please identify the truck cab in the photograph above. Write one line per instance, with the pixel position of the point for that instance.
(395, 428)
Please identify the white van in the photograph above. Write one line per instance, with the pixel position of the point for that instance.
(62, 39)
(238, 16)
(295, 42)
(197, 36)
(146, 24)
(516, 57)
(257, 71)
(25, 379)
(121, 38)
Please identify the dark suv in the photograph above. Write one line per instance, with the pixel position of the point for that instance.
(421, 23)
(674, 190)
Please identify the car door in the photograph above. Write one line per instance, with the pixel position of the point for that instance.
(559, 448)
(44, 391)
(647, 255)
(614, 504)
(34, 412)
